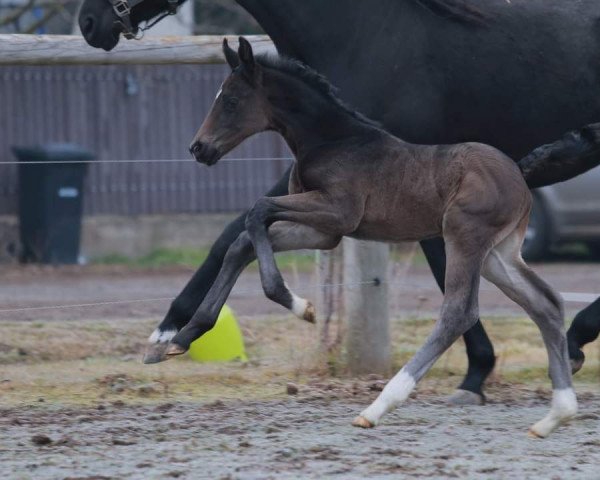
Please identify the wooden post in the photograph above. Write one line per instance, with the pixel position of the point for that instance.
(18, 49)
(366, 306)
(329, 300)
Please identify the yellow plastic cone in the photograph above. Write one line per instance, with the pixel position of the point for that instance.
(222, 343)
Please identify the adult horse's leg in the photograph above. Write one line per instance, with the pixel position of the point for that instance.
(283, 235)
(480, 350)
(185, 305)
(584, 329)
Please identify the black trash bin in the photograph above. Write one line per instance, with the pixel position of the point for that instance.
(50, 202)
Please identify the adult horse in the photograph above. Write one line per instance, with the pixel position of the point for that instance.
(528, 72)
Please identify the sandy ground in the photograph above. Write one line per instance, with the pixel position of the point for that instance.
(303, 436)
(75, 402)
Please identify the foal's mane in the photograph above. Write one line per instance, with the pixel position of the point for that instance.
(312, 79)
(462, 11)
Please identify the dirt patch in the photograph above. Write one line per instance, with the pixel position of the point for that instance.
(77, 402)
(307, 435)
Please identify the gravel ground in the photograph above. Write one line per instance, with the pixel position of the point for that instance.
(303, 436)
(307, 435)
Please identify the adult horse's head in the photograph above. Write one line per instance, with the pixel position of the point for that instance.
(239, 110)
(102, 21)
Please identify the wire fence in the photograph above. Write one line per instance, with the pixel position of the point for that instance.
(118, 309)
(574, 297)
(150, 161)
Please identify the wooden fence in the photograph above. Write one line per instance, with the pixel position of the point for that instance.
(152, 115)
(131, 112)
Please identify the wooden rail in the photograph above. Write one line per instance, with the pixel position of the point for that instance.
(18, 49)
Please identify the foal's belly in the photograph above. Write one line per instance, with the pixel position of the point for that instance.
(399, 223)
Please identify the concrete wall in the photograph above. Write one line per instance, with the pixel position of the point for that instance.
(137, 236)
(133, 236)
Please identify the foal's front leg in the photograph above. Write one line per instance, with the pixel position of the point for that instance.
(323, 218)
(187, 302)
(284, 236)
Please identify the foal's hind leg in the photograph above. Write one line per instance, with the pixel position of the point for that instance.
(480, 351)
(505, 268)
(459, 313)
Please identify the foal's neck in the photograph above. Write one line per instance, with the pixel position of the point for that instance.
(308, 119)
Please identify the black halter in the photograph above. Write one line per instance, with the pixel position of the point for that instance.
(122, 9)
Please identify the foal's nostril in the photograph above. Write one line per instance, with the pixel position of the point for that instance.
(196, 148)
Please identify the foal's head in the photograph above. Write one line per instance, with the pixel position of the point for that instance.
(239, 110)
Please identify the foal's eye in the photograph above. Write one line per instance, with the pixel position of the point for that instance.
(231, 103)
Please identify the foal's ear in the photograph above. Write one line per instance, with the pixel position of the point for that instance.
(246, 55)
(232, 58)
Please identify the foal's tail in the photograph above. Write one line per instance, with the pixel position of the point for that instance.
(576, 152)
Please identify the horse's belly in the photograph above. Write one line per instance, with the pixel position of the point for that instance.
(404, 227)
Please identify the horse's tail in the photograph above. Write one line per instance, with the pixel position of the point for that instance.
(576, 152)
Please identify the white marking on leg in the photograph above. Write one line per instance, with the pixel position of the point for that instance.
(299, 305)
(564, 406)
(159, 336)
(395, 392)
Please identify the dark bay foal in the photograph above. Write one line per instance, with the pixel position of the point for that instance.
(351, 178)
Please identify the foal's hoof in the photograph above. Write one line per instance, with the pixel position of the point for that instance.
(465, 397)
(173, 350)
(542, 429)
(362, 422)
(531, 433)
(310, 314)
(548, 424)
(155, 353)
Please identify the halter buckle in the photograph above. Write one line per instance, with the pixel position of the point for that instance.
(121, 8)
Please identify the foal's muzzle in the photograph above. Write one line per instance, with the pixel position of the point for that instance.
(204, 153)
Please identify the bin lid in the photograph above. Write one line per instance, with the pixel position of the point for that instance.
(65, 152)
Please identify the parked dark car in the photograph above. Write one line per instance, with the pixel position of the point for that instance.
(565, 212)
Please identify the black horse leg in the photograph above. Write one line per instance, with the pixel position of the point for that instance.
(187, 302)
(480, 350)
(584, 329)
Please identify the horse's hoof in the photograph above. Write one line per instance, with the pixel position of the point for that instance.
(543, 428)
(310, 314)
(362, 422)
(155, 353)
(173, 350)
(576, 364)
(532, 434)
(465, 397)
(546, 426)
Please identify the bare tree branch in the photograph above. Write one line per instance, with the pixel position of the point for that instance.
(50, 12)
(51, 9)
(13, 17)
